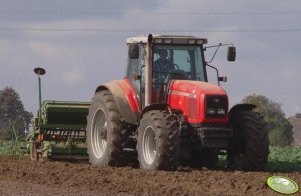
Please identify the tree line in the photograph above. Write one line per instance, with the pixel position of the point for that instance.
(15, 120)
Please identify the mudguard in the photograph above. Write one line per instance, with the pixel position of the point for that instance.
(125, 98)
(240, 107)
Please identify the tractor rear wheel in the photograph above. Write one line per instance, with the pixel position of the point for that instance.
(106, 135)
(249, 147)
(158, 144)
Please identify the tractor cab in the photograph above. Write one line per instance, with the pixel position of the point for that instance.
(169, 58)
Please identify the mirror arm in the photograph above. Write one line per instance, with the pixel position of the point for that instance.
(214, 52)
(220, 44)
(217, 74)
(217, 47)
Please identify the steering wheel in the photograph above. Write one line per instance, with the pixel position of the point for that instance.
(161, 75)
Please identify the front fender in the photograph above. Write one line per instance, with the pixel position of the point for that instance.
(240, 107)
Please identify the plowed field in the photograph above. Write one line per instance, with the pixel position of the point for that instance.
(19, 176)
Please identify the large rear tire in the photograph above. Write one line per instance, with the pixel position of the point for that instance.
(249, 147)
(106, 135)
(158, 144)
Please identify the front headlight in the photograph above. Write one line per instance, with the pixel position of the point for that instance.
(211, 111)
(221, 112)
(216, 106)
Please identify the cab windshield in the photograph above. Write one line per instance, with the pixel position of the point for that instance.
(178, 62)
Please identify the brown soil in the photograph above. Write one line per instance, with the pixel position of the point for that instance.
(19, 176)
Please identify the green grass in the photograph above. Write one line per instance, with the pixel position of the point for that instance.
(8, 147)
(284, 159)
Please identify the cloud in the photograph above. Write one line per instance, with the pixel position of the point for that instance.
(46, 50)
(73, 77)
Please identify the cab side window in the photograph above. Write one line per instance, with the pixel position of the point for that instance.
(136, 69)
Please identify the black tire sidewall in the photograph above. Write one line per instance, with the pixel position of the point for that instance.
(250, 133)
(167, 137)
(98, 103)
(145, 122)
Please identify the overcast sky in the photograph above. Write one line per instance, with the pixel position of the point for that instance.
(81, 44)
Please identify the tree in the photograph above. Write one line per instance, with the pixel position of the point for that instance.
(280, 129)
(14, 120)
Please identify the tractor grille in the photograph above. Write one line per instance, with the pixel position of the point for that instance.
(216, 106)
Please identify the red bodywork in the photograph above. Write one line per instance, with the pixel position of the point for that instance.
(189, 97)
(129, 93)
(183, 95)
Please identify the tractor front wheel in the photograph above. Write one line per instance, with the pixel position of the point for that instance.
(249, 147)
(158, 144)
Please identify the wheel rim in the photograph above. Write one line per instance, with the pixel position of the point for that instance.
(99, 136)
(149, 145)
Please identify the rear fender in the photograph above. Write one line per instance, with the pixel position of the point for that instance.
(238, 108)
(124, 98)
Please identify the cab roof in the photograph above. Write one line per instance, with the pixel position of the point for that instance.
(179, 38)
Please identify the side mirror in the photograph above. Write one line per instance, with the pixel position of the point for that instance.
(231, 53)
(133, 51)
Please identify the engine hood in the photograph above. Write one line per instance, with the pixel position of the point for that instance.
(193, 98)
(195, 88)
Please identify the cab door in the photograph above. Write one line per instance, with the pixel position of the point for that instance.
(136, 73)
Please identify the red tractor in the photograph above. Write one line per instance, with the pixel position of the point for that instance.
(164, 113)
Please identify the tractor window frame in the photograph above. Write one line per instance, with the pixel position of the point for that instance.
(196, 51)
